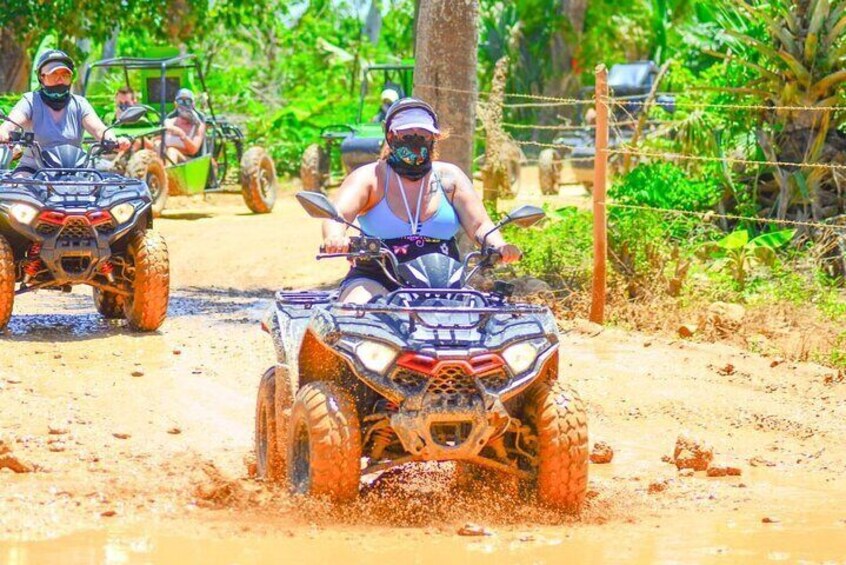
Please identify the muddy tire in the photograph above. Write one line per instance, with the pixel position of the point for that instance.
(558, 416)
(324, 443)
(7, 282)
(109, 304)
(270, 451)
(549, 171)
(258, 180)
(148, 166)
(314, 168)
(146, 307)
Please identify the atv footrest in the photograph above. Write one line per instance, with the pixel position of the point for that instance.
(304, 298)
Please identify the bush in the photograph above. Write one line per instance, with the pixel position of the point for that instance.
(560, 251)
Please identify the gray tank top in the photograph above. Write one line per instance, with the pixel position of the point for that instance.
(52, 127)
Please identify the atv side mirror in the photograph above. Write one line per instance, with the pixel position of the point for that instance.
(318, 206)
(131, 115)
(524, 216)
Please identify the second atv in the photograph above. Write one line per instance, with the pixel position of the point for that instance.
(69, 224)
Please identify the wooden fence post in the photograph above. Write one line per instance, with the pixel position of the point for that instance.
(600, 167)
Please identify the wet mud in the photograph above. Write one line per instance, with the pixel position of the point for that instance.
(136, 448)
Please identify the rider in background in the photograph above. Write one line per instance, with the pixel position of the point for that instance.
(53, 113)
(412, 202)
(185, 132)
(124, 98)
(389, 96)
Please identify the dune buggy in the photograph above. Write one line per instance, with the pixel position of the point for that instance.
(157, 81)
(631, 83)
(358, 143)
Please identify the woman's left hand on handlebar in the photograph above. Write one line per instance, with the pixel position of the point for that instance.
(509, 253)
(123, 143)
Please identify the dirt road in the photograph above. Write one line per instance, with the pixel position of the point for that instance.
(139, 442)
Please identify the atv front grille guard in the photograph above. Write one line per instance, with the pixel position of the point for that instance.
(398, 302)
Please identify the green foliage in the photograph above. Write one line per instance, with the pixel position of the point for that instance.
(665, 185)
(738, 255)
(558, 252)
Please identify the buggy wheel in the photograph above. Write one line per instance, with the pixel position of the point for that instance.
(258, 180)
(324, 443)
(270, 421)
(549, 171)
(514, 159)
(7, 282)
(148, 166)
(314, 168)
(146, 307)
(558, 417)
(109, 304)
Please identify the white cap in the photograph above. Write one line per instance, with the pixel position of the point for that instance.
(414, 118)
(54, 66)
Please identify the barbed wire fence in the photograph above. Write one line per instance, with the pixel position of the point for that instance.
(617, 113)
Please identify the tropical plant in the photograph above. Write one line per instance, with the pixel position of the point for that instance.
(795, 51)
(739, 256)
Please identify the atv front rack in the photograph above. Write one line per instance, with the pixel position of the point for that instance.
(38, 180)
(480, 304)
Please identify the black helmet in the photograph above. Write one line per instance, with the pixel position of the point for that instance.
(405, 104)
(53, 56)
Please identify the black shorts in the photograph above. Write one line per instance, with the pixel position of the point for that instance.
(406, 249)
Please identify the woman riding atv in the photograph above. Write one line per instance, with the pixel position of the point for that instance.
(56, 116)
(414, 203)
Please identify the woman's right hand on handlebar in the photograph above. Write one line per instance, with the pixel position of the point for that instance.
(4, 136)
(335, 244)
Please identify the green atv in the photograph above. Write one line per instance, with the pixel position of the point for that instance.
(361, 142)
(157, 82)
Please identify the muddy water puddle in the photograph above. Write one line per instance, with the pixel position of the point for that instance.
(816, 537)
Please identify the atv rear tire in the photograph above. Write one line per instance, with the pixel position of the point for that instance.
(7, 282)
(549, 171)
(324, 443)
(148, 166)
(559, 419)
(258, 180)
(109, 304)
(270, 446)
(146, 307)
(314, 168)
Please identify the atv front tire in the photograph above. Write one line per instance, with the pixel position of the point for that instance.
(7, 282)
(109, 304)
(559, 419)
(148, 166)
(270, 445)
(258, 180)
(549, 171)
(324, 443)
(146, 307)
(314, 168)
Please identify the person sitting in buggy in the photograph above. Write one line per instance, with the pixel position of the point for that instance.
(124, 98)
(53, 113)
(412, 202)
(185, 130)
(389, 96)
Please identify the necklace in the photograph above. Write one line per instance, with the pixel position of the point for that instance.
(414, 221)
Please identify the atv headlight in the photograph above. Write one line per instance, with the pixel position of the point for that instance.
(23, 213)
(122, 212)
(520, 356)
(375, 356)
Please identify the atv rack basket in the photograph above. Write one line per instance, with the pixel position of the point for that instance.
(38, 180)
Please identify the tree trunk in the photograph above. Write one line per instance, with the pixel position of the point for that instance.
(445, 72)
(563, 81)
(14, 63)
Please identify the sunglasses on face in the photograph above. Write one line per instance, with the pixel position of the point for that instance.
(184, 102)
